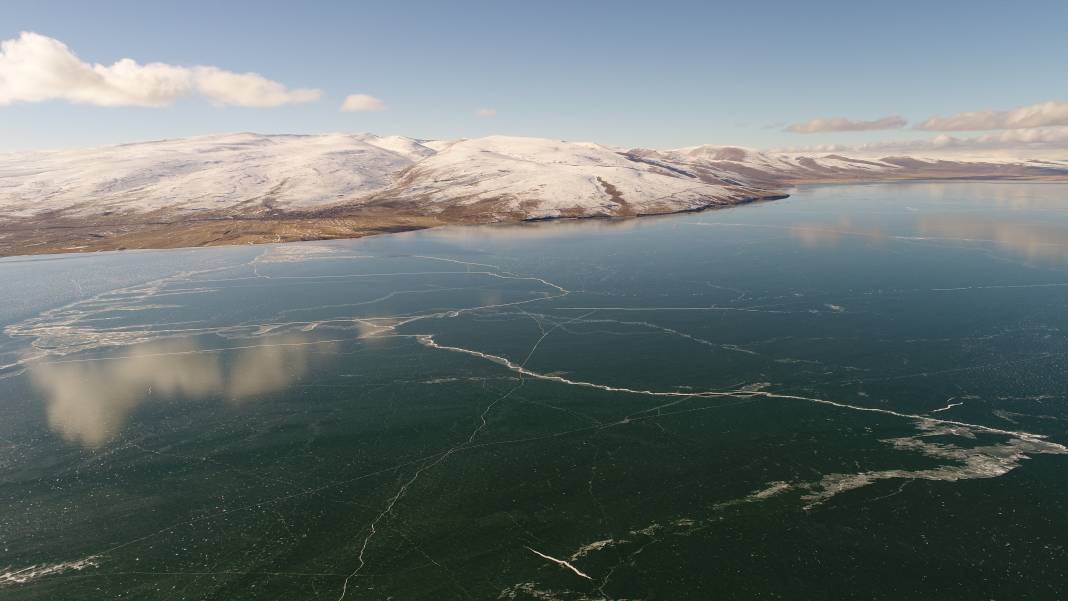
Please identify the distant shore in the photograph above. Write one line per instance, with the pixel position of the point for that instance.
(47, 234)
(57, 235)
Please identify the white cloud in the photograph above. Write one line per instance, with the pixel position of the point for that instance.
(826, 124)
(247, 89)
(355, 103)
(1044, 114)
(486, 111)
(37, 68)
(1051, 142)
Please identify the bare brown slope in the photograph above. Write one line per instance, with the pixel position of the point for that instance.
(47, 235)
(52, 234)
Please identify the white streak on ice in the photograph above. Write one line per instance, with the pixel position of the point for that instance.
(9, 576)
(561, 563)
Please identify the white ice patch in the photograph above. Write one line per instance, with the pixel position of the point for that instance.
(964, 462)
(13, 576)
(594, 547)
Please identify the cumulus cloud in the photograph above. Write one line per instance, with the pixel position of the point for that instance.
(1045, 114)
(247, 89)
(826, 124)
(37, 68)
(486, 111)
(358, 103)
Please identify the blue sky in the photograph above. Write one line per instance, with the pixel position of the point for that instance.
(625, 73)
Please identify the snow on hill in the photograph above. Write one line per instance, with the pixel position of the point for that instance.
(484, 179)
(537, 178)
(229, 172)
(769, 168)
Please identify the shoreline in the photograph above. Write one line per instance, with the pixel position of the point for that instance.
(37, 236)
(207, 232)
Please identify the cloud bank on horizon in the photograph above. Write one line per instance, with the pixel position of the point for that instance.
(37, 68)
(1023, 142)
(1044, 114)
(833, 124)
(1032, 128)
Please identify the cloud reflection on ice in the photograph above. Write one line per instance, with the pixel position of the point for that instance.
(89, 401)
(1027, 239)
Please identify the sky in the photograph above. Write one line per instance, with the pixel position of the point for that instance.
(661, 75)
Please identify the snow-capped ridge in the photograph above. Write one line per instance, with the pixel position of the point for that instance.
(492, 178)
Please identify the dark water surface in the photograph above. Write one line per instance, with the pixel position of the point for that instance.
(855, 393)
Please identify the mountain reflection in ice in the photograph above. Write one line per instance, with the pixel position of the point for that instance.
(89, 401)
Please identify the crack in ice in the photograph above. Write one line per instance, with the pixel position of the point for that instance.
(562, 563)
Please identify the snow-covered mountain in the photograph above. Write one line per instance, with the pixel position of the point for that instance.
(531, 178)
(239, 188)
(493, 178)
(784, 169)
(211, 173)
